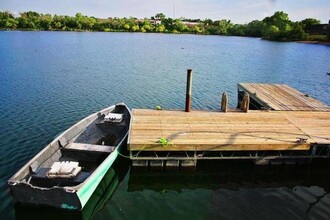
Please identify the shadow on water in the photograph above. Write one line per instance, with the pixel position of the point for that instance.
(101, 195)
(233, 175)
(216, 190)
(241, 190)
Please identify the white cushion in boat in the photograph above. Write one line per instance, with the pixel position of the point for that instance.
(113, 117)
(64, 169)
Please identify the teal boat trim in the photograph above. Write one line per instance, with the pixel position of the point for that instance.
(85, 192)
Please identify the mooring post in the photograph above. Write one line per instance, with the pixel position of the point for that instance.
(245, 104)
(188, 90)
(224, 102)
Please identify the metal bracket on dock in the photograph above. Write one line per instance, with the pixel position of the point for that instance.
(190, 158)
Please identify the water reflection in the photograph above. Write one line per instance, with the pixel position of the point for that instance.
(237, 190)
(216, 190)
(102, 194)
(232, 175)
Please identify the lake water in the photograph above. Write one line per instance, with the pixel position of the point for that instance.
(50, 80)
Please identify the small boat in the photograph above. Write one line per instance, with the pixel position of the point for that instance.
(95, 204)
(68, 170)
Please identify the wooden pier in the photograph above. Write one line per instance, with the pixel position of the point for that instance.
(258, 135)
(280, 97)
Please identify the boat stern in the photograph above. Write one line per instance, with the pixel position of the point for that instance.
(64, 198)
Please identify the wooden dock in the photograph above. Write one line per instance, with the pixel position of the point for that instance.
(233, 131)
(281, 97)
(289, 131)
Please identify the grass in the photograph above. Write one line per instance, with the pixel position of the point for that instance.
(164, 141)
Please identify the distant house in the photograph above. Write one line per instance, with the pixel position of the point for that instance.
(190, 24)
(155, 21)
(319, 29)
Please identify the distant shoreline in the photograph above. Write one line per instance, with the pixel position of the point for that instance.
(89, 31)
(277, 27)
(314, 42)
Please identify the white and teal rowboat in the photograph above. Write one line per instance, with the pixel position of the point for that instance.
(68, 170)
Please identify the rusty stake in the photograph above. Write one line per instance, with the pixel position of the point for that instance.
(188, 91)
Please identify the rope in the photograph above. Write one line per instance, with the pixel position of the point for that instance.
(144, 146)
(124, 156)
(128, 157)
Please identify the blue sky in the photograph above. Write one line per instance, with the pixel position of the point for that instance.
(238, 11)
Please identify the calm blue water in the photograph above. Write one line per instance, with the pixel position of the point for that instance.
(50, 80)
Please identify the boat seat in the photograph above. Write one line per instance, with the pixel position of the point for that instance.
(40, 179)
(114, 117)
(90, 147)
(64, 169)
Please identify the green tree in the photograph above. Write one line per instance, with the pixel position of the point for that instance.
(271, 32)
(254, 28)
(297, 32)
(6, 15)
(279, 19)
(6, 19)
(287, 30)
(237, 30)
(145, 25)
(88, 23)
(57, 22)
(30, 20)
(179, 26)
(208, 22)
(160, 16)
(46, 22)
(25, 23)
(160, 28)
(11, 24)
(169, 24)
(70, 23)
(308, 22)
(126, 27)
(224, 26)
(135, 28)
(220, 27)
(76, 22)
(279, 25)
(197, 29)
(116, 24)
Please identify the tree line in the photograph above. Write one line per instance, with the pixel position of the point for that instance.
(277, 27)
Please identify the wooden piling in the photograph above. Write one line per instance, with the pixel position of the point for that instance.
(188, 90)
(224, 102)
(245, 102)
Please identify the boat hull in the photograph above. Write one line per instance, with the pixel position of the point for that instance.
(54, 197)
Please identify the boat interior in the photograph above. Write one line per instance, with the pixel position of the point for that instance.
(73, 162)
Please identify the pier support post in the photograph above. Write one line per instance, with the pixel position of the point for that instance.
(224, 102)
(245, 104)
(188, 90)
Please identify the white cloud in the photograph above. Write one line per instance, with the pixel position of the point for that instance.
(257, 4)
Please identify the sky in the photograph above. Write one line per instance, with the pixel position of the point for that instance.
(238, 11)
